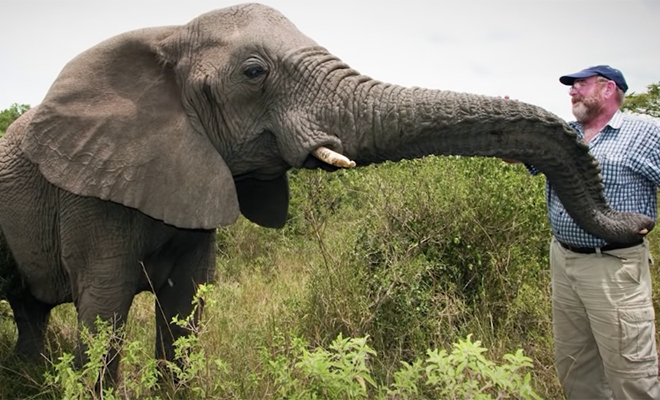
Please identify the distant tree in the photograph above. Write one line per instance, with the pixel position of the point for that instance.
(10, 115)
(644, 103)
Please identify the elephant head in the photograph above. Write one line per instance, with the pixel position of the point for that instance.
(193, 124)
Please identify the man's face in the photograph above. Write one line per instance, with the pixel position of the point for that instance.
(587, 98)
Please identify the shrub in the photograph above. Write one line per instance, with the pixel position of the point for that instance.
(429, 251)
(289, 368)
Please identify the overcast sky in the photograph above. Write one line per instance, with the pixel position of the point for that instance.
(493, 47)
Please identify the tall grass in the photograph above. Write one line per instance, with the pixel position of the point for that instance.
(424, 252)
(412, 256)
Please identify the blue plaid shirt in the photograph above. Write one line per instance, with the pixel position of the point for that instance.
(628, 150)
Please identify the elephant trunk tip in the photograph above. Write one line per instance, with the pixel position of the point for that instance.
(633, 228)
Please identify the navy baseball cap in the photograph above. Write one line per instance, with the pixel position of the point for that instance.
(605, 71)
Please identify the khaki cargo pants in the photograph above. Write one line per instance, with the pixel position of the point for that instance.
(603, 322)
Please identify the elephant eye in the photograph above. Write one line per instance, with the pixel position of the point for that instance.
(254, 71)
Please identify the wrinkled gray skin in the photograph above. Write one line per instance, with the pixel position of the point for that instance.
(150, 140)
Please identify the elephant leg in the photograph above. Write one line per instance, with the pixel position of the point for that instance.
(101, 252)
(174, 298)
(110, 304)
(104, 286)
(31, 316)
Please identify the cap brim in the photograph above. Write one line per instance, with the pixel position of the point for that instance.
(569, 79)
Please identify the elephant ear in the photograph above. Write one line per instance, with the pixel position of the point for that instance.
(113, 126)
(264, 202)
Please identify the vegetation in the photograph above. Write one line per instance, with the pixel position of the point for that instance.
(10, 114)
(424, 279)
(341, 372)
(644, 103)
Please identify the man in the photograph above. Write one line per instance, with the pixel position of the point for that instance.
(603, 317)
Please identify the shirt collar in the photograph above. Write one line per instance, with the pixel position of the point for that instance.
(616, 121)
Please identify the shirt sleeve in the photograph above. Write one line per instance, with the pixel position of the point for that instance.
(647, 162)
(532, 169)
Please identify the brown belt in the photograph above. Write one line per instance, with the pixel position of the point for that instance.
(592, 250)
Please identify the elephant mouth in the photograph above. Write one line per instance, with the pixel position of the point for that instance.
(333, 158)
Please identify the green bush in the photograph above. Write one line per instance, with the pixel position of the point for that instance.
(9, 115)
(289, 368)
(423, 252)
(465, 374)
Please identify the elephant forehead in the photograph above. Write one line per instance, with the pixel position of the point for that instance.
(248, 23)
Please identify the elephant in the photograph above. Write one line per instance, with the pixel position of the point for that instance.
(149, 141)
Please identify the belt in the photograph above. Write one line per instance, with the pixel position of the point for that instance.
(592, 250)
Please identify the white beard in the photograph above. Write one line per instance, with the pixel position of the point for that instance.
(581, 112)
(586, 109)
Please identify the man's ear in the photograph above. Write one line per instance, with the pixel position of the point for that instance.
(610, 89)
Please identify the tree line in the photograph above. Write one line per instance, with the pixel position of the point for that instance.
(10, 114)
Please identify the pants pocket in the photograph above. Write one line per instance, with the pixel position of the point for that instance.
(638, 334)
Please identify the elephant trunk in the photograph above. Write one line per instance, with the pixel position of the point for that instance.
(394, 123)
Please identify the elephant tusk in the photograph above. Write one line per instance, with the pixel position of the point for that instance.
(333, 158)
